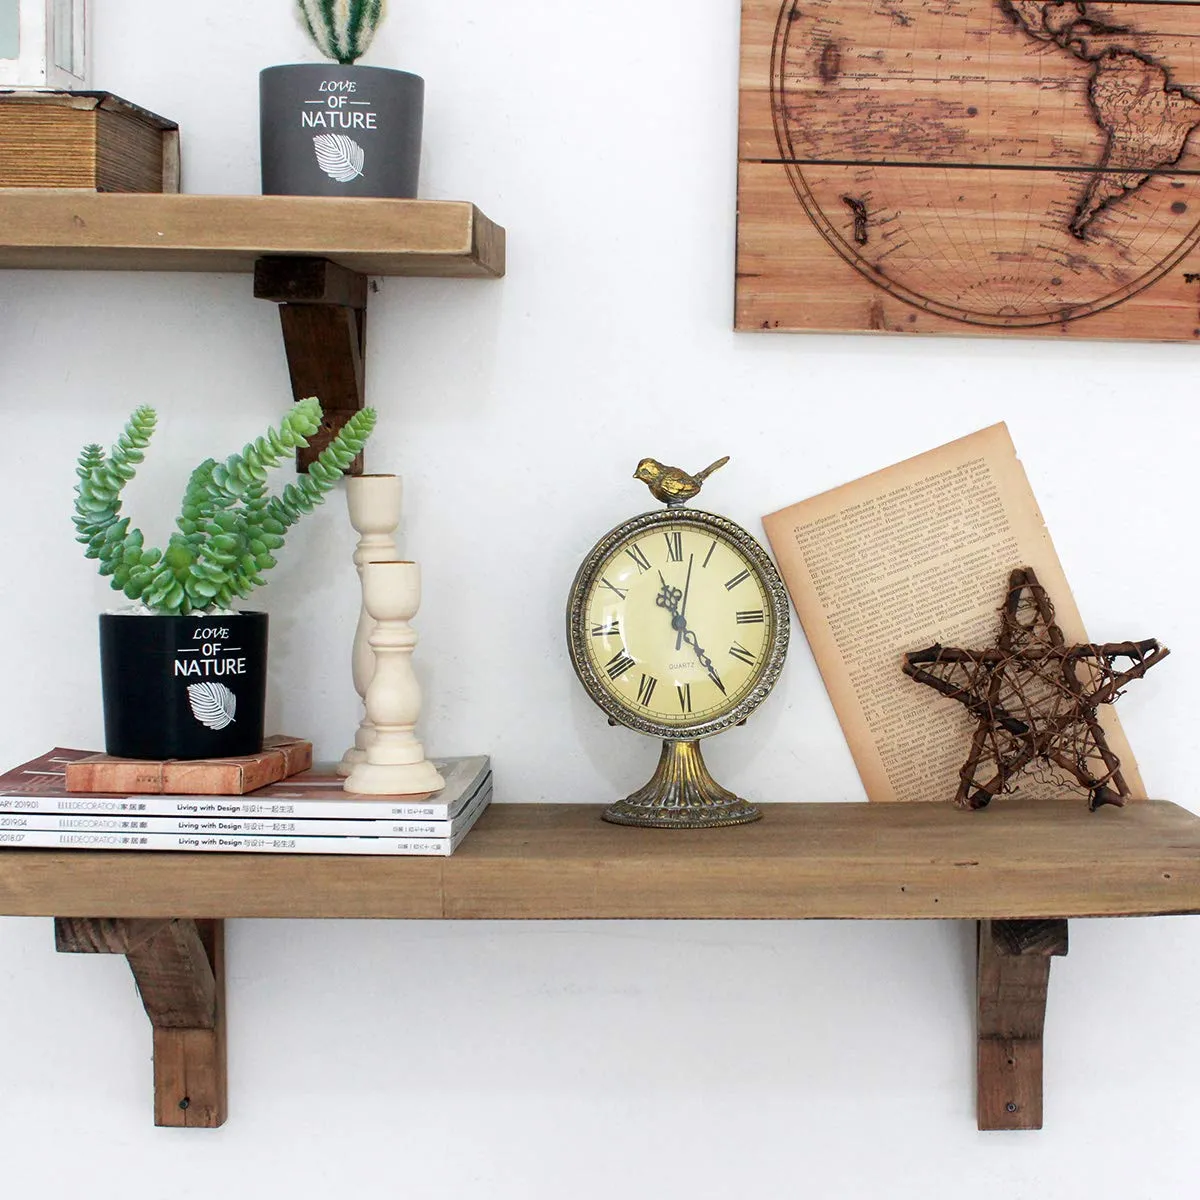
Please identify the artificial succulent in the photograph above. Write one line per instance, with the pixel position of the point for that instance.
(228, 526)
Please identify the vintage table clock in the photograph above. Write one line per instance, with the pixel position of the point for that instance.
(678, 627)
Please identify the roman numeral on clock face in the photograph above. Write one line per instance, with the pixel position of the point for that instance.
(613, 627)
(674, 546)
(613, 588)
(635, 552)
(618, 665)
(738, 651)
(646, 690)
(684, 691)
(710, 552)
(740, 577)
(751, 617)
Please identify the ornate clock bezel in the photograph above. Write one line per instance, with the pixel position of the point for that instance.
(759, 561)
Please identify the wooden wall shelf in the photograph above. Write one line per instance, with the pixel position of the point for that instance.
(310, 255)
(1020, 869)
(1019, 858)
(74, 230)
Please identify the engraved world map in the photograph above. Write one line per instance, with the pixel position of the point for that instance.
(970, 166)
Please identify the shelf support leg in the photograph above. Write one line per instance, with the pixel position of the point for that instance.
(1014, 974)
(323, 312)
(179, 968)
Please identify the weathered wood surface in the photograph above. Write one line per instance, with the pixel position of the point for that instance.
(179, 968)
(1014, 976)
(181, 978)
(79, 230)
(104, 935)
(1018, 858)
(323, 314)
(175, 978)
(308, 281)
(970, 167)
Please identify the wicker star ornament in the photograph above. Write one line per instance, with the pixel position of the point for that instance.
(1035, 697)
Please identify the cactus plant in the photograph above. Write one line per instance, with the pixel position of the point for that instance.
(341, 29)
(228, 525)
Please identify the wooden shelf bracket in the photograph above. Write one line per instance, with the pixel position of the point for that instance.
(323, 313)
(1014, 974)
(179, 967)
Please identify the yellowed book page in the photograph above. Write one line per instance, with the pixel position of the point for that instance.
(915, 554)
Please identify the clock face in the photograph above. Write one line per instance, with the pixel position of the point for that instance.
(678, 623)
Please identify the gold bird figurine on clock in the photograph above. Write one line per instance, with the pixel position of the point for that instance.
(678, 627)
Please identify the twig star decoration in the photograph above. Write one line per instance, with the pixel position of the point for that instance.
(1035, 698)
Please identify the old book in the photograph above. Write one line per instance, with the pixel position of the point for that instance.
(280, 757)
(39, 786)
(90, 140)
(915, 554)
(246, 843)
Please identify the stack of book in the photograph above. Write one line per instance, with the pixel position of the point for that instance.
(308, 813)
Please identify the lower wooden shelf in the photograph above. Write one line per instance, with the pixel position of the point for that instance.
(1018, 858)
(1019, 868)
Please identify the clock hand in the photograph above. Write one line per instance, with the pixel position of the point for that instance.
(669, 598)
(687, 583)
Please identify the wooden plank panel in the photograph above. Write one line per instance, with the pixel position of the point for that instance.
(911, 273)
(884, 84)
(1018, 858)
(76, 231)
(936, 167)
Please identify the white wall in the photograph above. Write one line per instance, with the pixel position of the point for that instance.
(584, 1060)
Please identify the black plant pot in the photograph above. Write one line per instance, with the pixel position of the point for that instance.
(328, 130)
(183, 687)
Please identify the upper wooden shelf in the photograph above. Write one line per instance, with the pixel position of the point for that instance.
(72, 230)
(1019, 858)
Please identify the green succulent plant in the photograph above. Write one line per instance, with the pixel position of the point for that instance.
(228, 526)
(341, 29)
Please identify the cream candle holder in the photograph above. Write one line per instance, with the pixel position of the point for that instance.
(394, 762)
(374, 502)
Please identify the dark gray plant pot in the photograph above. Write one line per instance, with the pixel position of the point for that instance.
(328, 130)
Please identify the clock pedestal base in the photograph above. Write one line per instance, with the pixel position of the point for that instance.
(681, 795)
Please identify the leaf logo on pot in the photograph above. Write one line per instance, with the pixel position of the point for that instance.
(339, 156)
(213, 704)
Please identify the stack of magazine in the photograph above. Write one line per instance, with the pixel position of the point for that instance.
(309, 813)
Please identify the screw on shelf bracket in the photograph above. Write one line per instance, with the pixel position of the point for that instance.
(179, 968)
(323, 312)
(1014, 974)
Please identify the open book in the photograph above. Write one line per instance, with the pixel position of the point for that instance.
(915, 554)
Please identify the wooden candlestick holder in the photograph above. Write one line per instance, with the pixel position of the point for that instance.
(374, 502)
(394, 762)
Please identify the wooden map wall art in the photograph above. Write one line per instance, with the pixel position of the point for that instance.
(971, 167)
